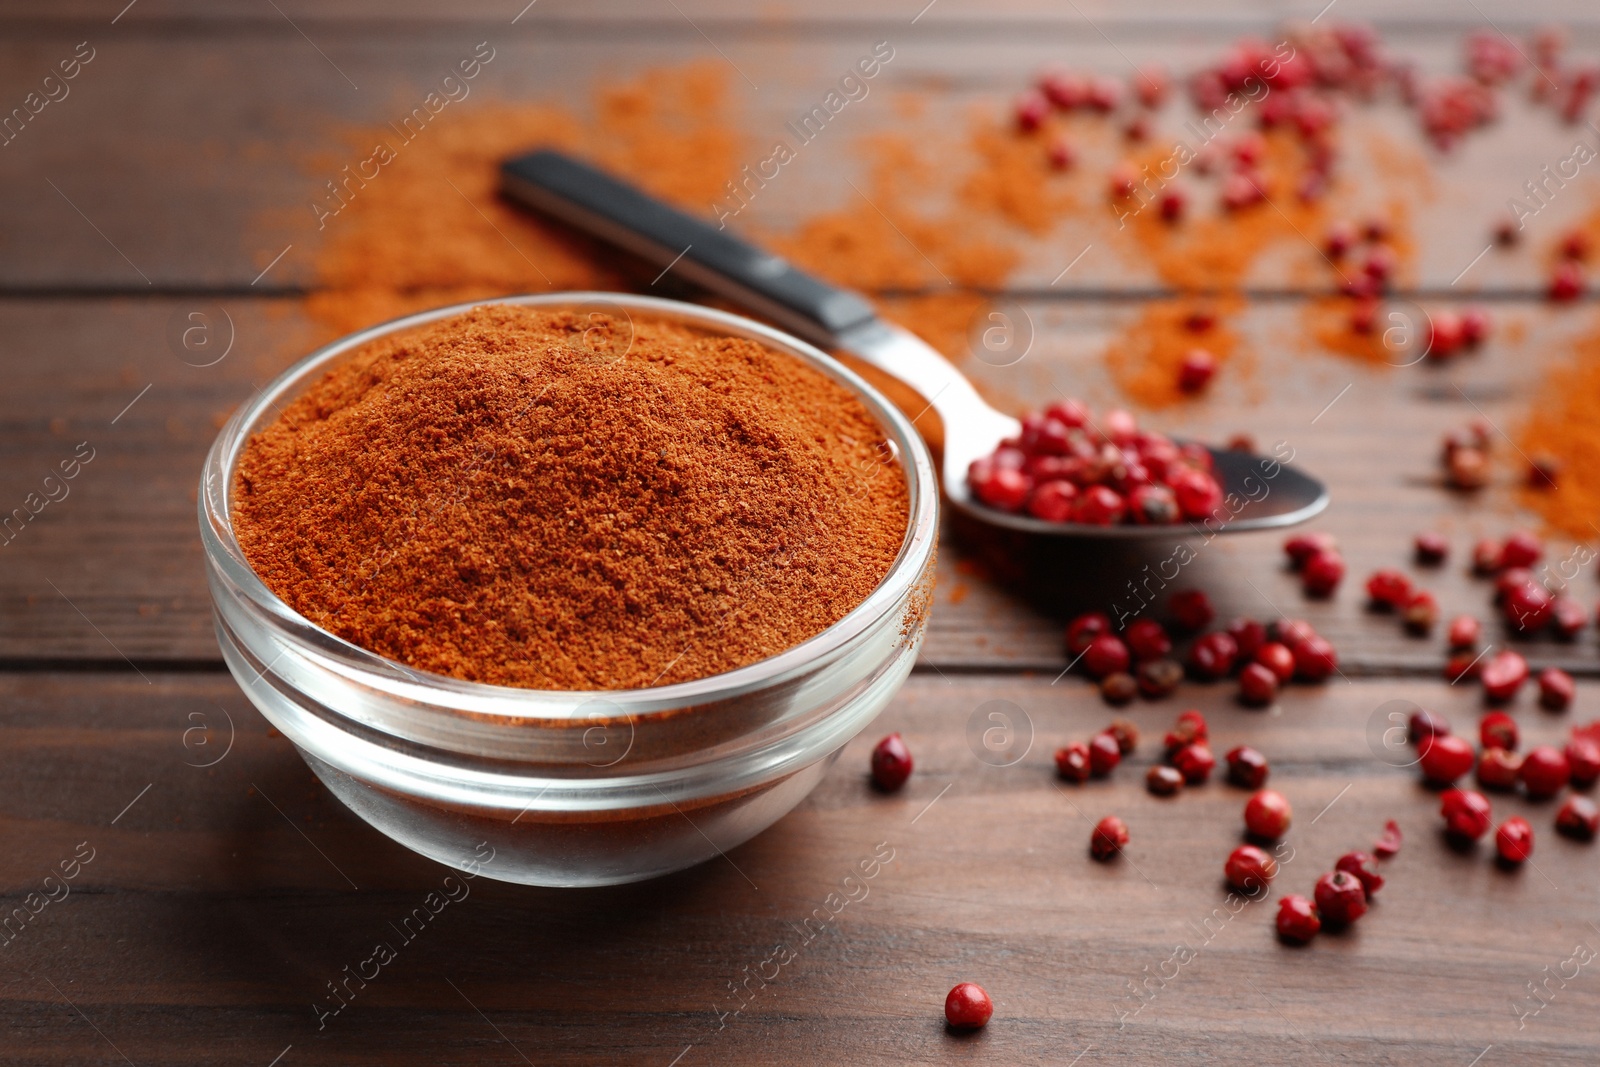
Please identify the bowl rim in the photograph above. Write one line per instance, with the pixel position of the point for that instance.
(416, 686)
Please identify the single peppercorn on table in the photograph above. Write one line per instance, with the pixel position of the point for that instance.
(200, 203)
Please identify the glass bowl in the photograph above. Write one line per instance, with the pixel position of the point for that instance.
(564, 788)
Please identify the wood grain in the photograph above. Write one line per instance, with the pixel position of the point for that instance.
(205, 913)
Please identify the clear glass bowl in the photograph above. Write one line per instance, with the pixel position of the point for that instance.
(568, 788)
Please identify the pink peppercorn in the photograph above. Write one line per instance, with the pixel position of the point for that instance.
(1276, 657)
(1110, 837)
(1514, 840)
(1212, 655)
(1465, 632)
(1583, 762)
(1104, 755)
(1249, 869)
(1298, 921)
(1499, 769)
(1466, 814)
(1556, 689)
(1105, 655)
(1445, 759)
(1315, 659)
(1498, 730)
(1503, 675)
(1341, 898)
(1072, 762)
(1194, 762)
(1147, 639)
(891, 763)
(968, 1007)
(1267, 814)
(1247, 767)
(1258, 686)
(1322, 574)
(1578, 818)
(1545, 772)
(1388, 844)
(1191, 609)
(1361, 865)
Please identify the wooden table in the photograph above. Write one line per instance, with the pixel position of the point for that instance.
(211, 905)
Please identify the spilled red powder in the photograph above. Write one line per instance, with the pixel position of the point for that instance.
(1145, 357)
(1567, 427)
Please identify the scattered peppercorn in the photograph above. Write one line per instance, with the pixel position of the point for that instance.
(1361, 865)
(1110, 837)
(1341, 898)
(1445, 758)
(1163, 781)
(968, 1007)
(891, 763)
(1466, 814)
(1388, 844)
(1431, 548)
(1118, 688)
(1498, 730)
(1072, 762)
(1258, 685)
(1249, 870)
(1298, 921)
(1578, 818)
(1503, 675)
(1514, 840)
(1499, 769)
(1159, 677)
(1247, 767)
(1545, 772)
(1126, 734)
(1191, 609)
(1104, 755)
(1556, 689)
(1194, 762)
(1267, 814)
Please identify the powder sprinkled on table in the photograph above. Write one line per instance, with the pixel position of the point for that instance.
(523, 497)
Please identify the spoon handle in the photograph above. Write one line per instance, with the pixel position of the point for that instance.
(600, 204)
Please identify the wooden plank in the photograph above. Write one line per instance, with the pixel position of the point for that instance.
(209, 187)
(205, 926)
(114, 570)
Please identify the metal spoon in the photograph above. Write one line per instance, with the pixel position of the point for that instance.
(1272, 494)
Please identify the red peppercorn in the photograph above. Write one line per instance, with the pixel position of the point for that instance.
(1153, 505)
(1104, 755)
(1341, 898)
(1486, 556)
(1361, 865)
(1388, 589)
(1199, 366)
(1197, 493)
(1190, 727)
(1163, 781)
(1147, 639)
(1522, 549)
(1421, 612)
(1292, 633)
(891, 763)
(1578, 818)
(1463, 665)
(1556, 689)
(1465, 631)
(1031, 108)
(1424, 724)
(1072, 762)
(1528, 606)
(1258, 686)
(1567, 617)
(1583, 761)
(1315, 659)
(1110, 837)
(1431, 548)
(1212, 656)
(1575, 245)
(1543, 470)
(1099, 505)
(1061, 154)
(1276, 657)
(1498, 730)
(1105, 655)
(1248, 637)
(1445, 758)
(1191, 609)
(1388, 844)
(1194, 762)
(1322, 574)
(1475, 326)
(1053, 501)
(1499, 769)
(1503, 675)
(1298, 921)
(1514, 840)
(1159, 677)
(968, 1007)
(1084, 629)
(1466, 814)
(1467, 468)
(1064, 89)
(1300, 548)
(1545, 772)
(1267, 814)
(1249, 870)
(1118, 688)
(1340, 239)
(1247, 767)
(1567, 282)
(1125, 733)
